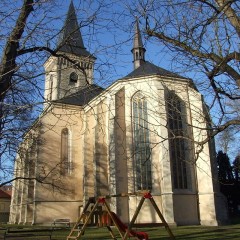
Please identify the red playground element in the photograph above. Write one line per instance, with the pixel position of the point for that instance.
(123, 227)
(147, 195)
(101, 200)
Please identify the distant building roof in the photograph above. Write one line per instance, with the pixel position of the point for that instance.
(7, 189)
(4, 194)
(83, 96)
(147, 69)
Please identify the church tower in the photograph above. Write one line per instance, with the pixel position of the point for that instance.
(138, 49)
(73, 68)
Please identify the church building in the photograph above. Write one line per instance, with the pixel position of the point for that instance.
(143, 132)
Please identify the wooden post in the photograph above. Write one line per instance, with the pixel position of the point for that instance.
(110, 214)
(134, 218)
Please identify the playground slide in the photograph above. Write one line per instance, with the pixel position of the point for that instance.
(123, 227)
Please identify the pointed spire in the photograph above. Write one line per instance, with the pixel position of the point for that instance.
(70, 40)
(137, 35)
(138, 49)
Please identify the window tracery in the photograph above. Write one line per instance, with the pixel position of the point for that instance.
(141, 143)
(177, 132)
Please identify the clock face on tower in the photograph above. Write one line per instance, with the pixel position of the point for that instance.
(73, 78)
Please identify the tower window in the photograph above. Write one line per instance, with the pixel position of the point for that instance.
(136, 55)
(141, 144)
(73, 77)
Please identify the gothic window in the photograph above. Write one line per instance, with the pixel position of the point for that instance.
(141, 144)
(73, 78)
(50, 87)
(65, 164)
(177, 143)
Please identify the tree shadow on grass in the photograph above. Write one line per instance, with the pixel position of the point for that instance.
(207, 234)
(231, 232)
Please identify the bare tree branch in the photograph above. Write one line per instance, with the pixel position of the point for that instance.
(221, 62)
(8, 62)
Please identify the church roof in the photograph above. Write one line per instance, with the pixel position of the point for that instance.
(147, 69)
(70, 40)
(83, 96)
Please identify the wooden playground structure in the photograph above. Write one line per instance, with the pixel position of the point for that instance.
(108, 218)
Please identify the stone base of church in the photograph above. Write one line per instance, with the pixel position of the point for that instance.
(221, 209)
(209, 223)
(185, 209)
(44, 213)
(213, 210)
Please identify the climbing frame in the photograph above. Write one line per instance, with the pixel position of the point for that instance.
(77, 232)
(79, 228)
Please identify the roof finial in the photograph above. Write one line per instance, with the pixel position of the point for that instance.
(138, 49)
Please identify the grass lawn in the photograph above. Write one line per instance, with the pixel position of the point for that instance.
(228, 232)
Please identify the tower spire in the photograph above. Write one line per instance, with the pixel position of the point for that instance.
(138, 49)
(70, 40)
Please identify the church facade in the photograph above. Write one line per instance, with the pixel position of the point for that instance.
(141, 133)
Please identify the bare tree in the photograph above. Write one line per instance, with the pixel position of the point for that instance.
(29, 34)
(15, 93)
(202, 37)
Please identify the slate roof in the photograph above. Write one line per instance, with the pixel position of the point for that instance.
(83, 96)
(147, 69)
(86, 94)
(4, 194)
(70, 40)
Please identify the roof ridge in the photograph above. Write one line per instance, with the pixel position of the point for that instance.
(148, 68)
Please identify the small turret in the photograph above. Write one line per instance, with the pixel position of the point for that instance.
(138, 49)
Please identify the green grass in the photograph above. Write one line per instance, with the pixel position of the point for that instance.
(228, 232)
(181, 233)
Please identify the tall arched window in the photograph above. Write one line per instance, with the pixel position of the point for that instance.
(50, 87)
(141, 144)
(177, 129)
(65, 163)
